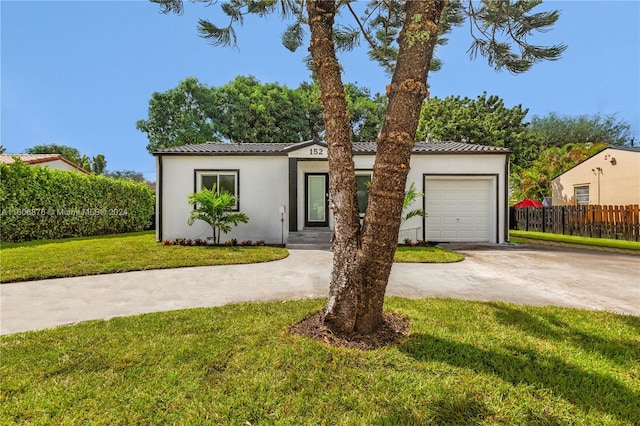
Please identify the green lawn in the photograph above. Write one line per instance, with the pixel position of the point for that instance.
(418, 254)
(139, 251)
(572, 239)
(464, 363)
(116, 253)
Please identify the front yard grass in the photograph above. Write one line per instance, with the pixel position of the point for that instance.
(72, 257)
(533, 237)
(463, 363)
(417, 254)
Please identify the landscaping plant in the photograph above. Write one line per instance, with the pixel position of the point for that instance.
(216, 209)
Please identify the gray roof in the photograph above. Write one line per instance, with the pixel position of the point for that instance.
(214, 148)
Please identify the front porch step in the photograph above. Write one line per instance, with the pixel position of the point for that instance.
(310, 239)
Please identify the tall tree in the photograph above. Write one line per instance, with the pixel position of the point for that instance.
(179, 116)
(558, 130)
(98, 164)
(363, 256)
(245, 110)
(484, 121)
(366, 113)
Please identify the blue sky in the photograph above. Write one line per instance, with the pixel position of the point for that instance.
(81, 73)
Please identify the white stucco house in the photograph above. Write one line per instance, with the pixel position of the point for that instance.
(52, 161)
(283, 188)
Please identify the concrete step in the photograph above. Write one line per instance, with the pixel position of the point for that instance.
(310, 239)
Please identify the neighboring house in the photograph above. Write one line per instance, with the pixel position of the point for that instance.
(608, 178)
(53, 161)
(465, 186)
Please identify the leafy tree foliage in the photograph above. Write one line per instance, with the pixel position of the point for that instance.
(558, 130)
(126, 175)
(180, 116)
(535, 181)
(245, 110)
(484, 121)
(216, 209)
(366, 112)
(96, 164)
(402, 36)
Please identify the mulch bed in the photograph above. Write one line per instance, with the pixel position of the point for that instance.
(392, 330)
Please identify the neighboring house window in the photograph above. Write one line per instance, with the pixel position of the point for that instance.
(581, 195)
(363, 180)
(224, 180)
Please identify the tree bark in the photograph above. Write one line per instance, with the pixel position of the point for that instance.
(362, 258)
(344, 288)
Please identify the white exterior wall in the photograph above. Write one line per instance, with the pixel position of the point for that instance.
(263, 188)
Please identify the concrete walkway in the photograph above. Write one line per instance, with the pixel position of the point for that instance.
(523, 274)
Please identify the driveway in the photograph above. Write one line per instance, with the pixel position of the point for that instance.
(533, 275)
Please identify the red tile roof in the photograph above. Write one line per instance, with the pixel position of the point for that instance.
(38, 159)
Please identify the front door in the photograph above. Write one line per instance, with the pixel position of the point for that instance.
(316, 199)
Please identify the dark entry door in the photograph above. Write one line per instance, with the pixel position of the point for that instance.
(316, 199)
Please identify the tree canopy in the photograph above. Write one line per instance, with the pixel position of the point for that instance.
(484, 121)
(402, 36)
(179, 116)
(558, 130)
(245, 110)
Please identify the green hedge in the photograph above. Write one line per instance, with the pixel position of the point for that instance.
(40, 203)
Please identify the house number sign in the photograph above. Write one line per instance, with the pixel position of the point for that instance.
(316, 151)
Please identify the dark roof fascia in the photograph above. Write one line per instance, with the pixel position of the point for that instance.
(221, 154)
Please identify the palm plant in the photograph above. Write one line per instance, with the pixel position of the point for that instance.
(216, 209)
(410, 197)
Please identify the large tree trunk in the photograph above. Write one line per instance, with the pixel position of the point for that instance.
(362, 259)
(344, 289)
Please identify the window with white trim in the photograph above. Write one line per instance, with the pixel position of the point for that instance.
(224, 181)
(581, 195)
(363, 180)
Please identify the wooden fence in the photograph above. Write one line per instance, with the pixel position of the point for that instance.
(617, 222)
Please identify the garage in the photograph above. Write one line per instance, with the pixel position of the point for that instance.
(460, 208)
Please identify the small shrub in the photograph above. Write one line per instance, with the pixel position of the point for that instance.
(408, 241)
(200, 242)
(167, 243)
(231, 242)
(179, 241)
(260, 243)
(246, 243)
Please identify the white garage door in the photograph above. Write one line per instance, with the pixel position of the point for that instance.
(459, 209)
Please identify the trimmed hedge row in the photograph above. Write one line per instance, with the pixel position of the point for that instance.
(40, 203)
